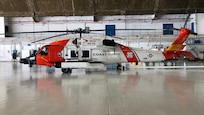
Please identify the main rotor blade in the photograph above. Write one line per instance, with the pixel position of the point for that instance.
(49, 38)
(58, 31)
(71, 31)
(117, 37)
(176, 29)
(34, 32)
(123, 29)
(136, 29)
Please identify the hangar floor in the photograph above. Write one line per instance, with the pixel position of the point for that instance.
(38, 91)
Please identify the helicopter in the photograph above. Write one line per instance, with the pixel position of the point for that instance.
(81, 52)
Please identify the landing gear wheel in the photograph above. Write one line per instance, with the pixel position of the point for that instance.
(69, 70)
(119, 67)
(150, 64)
(170, 63)
(66, 70)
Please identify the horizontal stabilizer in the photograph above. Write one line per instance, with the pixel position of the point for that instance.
(176, 54)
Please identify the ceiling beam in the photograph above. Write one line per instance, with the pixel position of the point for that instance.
(97, 7)
(31, 6)
(156, 6)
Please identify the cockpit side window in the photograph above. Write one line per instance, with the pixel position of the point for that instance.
(44, 51)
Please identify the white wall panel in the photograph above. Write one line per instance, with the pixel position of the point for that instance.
(19, 24)
(2, 27)
(200, 23)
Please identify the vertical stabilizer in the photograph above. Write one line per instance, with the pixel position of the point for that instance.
(178, 42)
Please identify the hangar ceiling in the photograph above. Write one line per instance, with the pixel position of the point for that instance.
(97, 7)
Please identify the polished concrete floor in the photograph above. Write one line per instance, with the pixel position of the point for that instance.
(39, 91)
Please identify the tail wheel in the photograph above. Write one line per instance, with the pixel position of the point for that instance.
(170, 63)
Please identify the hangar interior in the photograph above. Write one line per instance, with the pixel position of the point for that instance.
(149, 19)
(148, 33)
(152, 25)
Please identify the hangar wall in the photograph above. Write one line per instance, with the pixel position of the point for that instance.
(22, 24)
(199, 23)
(2, 28)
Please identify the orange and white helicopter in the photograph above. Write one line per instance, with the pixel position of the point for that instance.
(92, 53)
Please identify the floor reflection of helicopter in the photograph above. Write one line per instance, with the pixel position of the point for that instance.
(180, 88)
(48, 85)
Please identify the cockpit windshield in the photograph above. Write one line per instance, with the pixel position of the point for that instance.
(44, 51)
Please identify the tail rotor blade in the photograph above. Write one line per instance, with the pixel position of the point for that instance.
(194, 33)
(176, 29)
(184, 26)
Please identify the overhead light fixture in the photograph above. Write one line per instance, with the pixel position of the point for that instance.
(155, 16)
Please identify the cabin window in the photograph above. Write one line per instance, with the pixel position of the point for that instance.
(85, 53)
(108, 42)
(73, 53)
